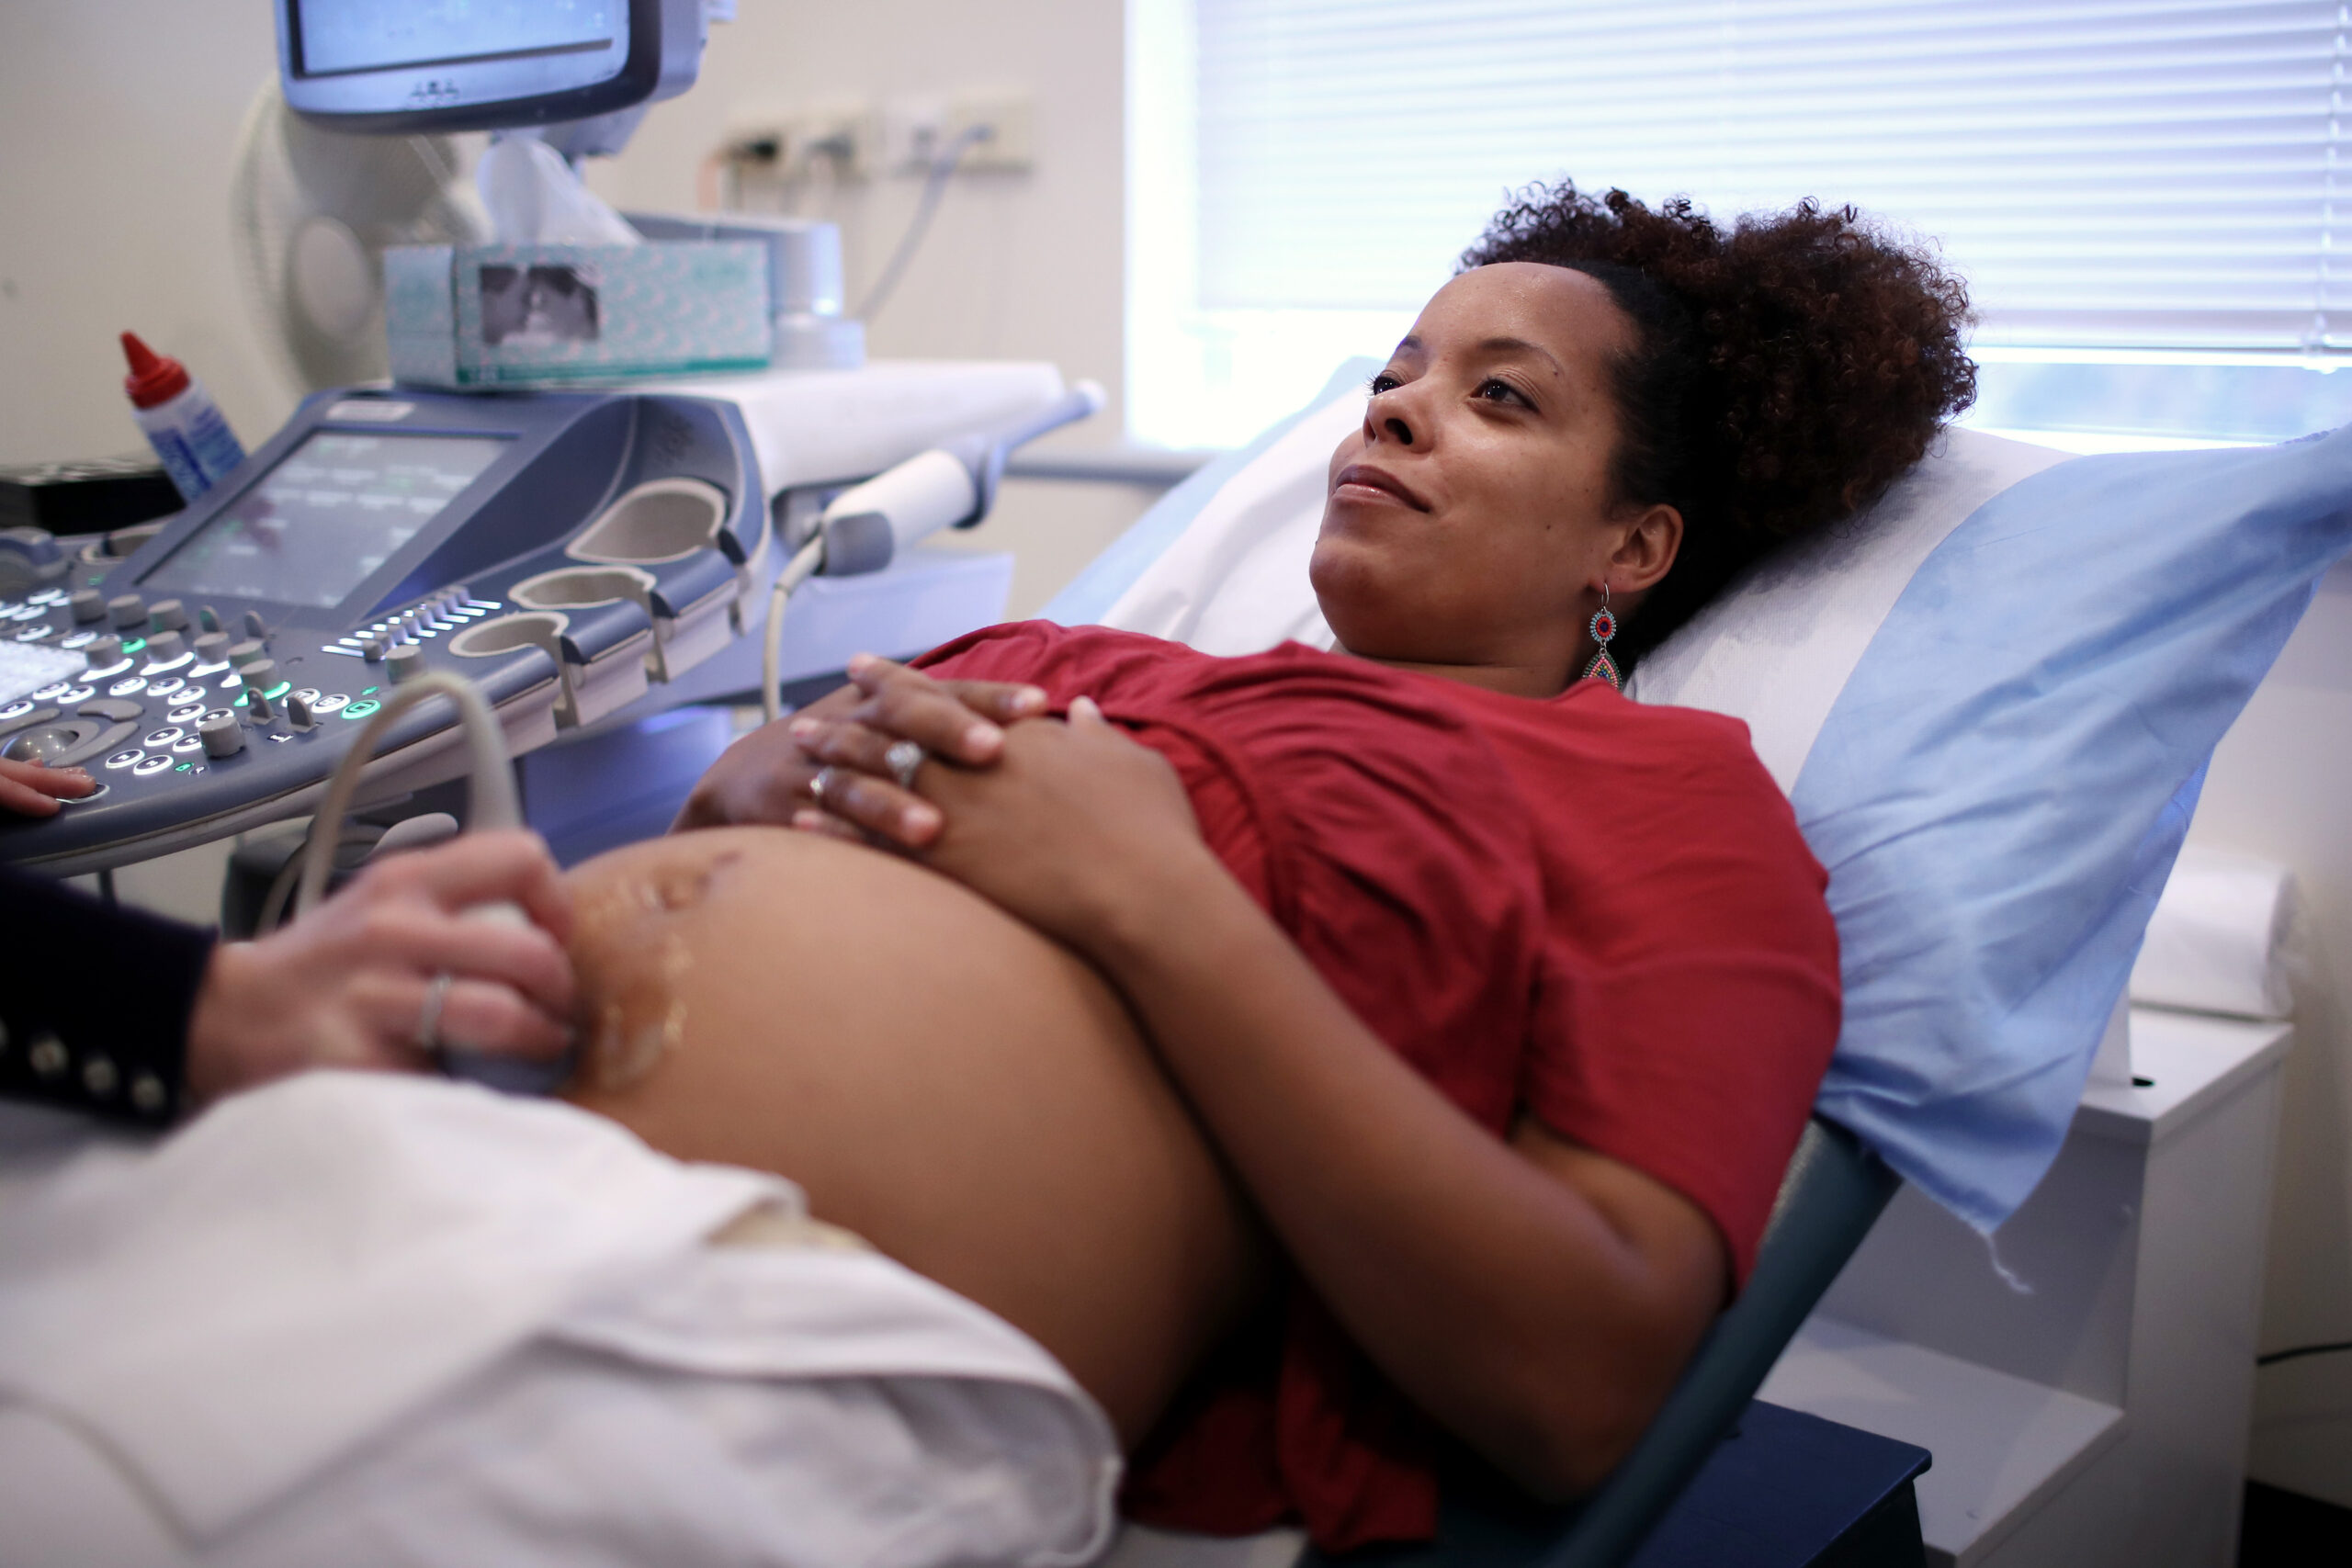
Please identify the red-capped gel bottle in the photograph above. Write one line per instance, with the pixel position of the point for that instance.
(182, 422)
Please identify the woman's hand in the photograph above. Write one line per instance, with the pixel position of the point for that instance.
(33, 789)
(765, 777)
(348, 985)
(1078, 830)
(1069, 827)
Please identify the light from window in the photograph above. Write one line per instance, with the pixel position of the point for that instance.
(2105, 174)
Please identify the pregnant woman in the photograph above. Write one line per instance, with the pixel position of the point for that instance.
(1355, 1064)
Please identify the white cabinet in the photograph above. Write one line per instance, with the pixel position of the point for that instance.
(2085, 1380)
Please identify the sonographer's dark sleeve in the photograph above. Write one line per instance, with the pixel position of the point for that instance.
(95, 1002)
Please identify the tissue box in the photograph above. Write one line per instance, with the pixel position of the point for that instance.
(536, 314)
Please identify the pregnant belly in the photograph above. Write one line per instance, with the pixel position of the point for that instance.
(963, 1093)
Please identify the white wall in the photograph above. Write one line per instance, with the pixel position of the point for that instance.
(118, 123)
(2277, 788)
(119, 126)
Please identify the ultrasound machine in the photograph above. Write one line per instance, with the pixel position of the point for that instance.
(580, 556)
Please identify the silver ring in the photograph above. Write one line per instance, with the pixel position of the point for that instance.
(428, 1037)
(817, 785)
(904, 759)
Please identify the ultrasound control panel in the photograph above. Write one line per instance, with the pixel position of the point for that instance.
(561, 550)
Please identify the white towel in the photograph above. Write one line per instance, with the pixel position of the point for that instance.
(362, 1318)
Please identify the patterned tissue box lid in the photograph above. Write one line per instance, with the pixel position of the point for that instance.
(481, 315)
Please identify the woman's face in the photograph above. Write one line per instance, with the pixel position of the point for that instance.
(1469, 528)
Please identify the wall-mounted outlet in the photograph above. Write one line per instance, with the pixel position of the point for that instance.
(917, 127)
(755, 132)
(1010, 144)
(845, 134)
(912, 127)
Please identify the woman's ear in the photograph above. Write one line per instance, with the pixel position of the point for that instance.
(1646, 551)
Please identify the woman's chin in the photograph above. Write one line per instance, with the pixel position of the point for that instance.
(1347, 571)
(1365, 601)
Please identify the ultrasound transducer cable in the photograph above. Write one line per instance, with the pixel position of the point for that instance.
(866, 527)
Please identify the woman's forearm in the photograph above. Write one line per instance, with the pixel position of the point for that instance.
(1533, 1299)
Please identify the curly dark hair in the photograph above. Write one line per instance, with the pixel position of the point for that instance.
(1785, 371)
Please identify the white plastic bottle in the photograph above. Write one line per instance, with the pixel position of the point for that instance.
(182, 422)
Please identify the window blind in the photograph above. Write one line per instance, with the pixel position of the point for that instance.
(2101, 173)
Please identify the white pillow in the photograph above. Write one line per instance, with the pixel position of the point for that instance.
(1778, 649)
(1236, 580)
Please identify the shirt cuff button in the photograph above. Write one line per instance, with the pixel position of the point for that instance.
(99, 1077)
(48, 1056)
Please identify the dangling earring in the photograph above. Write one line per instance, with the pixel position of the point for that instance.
(1604, 626)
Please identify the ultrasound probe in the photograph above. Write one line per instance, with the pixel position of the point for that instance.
(490, 805)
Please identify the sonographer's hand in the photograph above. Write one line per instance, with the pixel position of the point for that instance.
(765, 777)
(350, 983)
(31, 789)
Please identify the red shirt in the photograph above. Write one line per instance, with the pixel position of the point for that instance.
(1597, 910)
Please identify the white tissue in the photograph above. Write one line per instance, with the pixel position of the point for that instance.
(535, 197)
(2218, 941)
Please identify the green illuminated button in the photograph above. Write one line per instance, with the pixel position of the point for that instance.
(279, 690)
(362, 708)
(133, 645)
(369, 691)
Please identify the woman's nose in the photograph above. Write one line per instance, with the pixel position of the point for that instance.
(1386, 419)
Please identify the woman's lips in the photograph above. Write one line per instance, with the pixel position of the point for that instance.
(1363, 476)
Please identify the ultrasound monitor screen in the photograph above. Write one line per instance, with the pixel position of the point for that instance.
(341, 35)
(333, 512)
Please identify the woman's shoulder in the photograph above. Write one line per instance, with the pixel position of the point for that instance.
(1600, 767)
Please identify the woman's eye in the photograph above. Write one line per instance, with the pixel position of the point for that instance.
(1495, 389)
(1385, 382)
